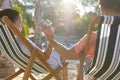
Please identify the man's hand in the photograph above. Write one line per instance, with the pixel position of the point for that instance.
(49, 33)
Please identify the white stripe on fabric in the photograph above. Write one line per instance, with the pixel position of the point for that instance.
(23, 64)
(22, 56)
(115, 60)
(117, 77)
(103, 51)
(7, 48)
(6, 43)
(112, 20)
(101, 57)
(8, 57)
(13, 45)
(18, 53)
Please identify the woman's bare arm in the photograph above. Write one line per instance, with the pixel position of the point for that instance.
(64, 51)
(48, 50)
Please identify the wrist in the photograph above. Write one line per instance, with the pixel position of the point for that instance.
(52, 41)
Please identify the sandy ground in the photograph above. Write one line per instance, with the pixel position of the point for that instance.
(72, 72)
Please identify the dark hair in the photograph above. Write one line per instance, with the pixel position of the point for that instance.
(11, 13)
(112, 5)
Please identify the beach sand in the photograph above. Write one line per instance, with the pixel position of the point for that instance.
(72, 72)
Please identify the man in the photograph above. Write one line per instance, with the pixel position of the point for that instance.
(110, 8)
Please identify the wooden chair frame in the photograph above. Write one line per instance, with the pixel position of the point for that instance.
(94, 20)
(107, 49)
(36, 54)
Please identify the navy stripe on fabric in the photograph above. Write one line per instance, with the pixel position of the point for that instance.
(115, 73)
(110, 50)
(21, 52)
(96, 49)
(28, 56)
(5, 35)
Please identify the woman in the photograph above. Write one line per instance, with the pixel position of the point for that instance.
(16, 18)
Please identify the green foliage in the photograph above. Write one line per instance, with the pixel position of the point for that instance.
(83, 23)
(27, 17)
(19, 9)
(66, 20)
(91, 4)
(77, 20)
(25, 30)
(55, 11)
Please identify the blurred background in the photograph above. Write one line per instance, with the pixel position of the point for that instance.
(69, 18)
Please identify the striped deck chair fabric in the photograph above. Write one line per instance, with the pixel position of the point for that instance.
(11, 49)
(26, 63)
(106, 63)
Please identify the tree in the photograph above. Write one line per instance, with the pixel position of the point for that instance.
(28, 21)
(37, 20)
(26, 16)
(45, 10)
(25, 29)
(5, 4)
(55, 11)
(90, 4)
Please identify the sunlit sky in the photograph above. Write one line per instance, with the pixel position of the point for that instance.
(81, 9)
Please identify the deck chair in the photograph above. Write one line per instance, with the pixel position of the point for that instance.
(27, 64)
(106, 62)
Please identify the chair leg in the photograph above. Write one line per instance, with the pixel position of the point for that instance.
(14, 75)
(65, 73)
(49, 76)
(43, 60)
(32, 77)
(80, 69)
(29, 67)
(65, 69)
